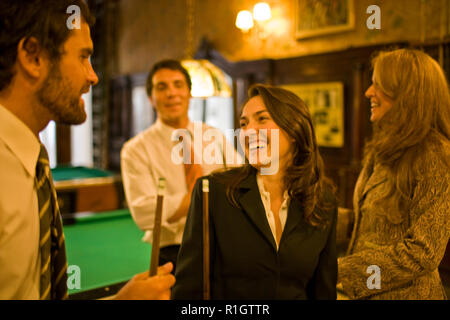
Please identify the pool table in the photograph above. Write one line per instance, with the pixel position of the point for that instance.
(82, 189)
(107, 249)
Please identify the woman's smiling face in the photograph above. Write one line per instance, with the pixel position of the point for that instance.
(380, 103)
(257, 124)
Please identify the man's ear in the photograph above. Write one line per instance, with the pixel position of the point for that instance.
(31, 58)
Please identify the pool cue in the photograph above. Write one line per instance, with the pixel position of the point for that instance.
(154, 260)
(206, 279)
(223, 155)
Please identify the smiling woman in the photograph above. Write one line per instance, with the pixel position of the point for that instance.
(402, 195)
(261, 150)
(380, 93)
(272, 235)
(380, 103)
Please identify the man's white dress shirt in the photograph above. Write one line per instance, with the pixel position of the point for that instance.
(19, 213)
(149, 156)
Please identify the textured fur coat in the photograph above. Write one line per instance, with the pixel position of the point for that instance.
(408, 253)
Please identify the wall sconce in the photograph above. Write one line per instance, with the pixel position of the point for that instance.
(261, 14)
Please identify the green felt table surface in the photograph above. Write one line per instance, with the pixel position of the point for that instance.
(69, 173)
(107, 248)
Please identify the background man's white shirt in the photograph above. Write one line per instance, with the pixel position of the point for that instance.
(148, 157)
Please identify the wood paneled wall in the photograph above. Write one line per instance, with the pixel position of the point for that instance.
(352, 67)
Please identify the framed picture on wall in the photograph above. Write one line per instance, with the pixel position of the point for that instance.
(321, 17)
(448, 20)
(325, 101)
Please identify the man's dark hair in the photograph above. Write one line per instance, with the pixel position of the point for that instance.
(167, 64)
(45, 20)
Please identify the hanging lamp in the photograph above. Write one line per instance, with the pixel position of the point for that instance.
(207, 79)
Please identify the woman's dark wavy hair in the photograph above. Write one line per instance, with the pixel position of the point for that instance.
(44, 20)
(305, 178)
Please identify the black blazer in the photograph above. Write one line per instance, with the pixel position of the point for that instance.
(245, 263)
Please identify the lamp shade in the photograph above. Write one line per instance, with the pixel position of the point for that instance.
(207, 79)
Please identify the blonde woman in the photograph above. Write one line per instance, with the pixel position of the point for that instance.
(402, 196)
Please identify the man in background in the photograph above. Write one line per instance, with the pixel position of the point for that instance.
(149, 156)
(44, 70)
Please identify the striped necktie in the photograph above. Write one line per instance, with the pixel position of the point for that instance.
(53, 280)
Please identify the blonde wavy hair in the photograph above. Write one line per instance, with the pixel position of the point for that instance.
(418, 122)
